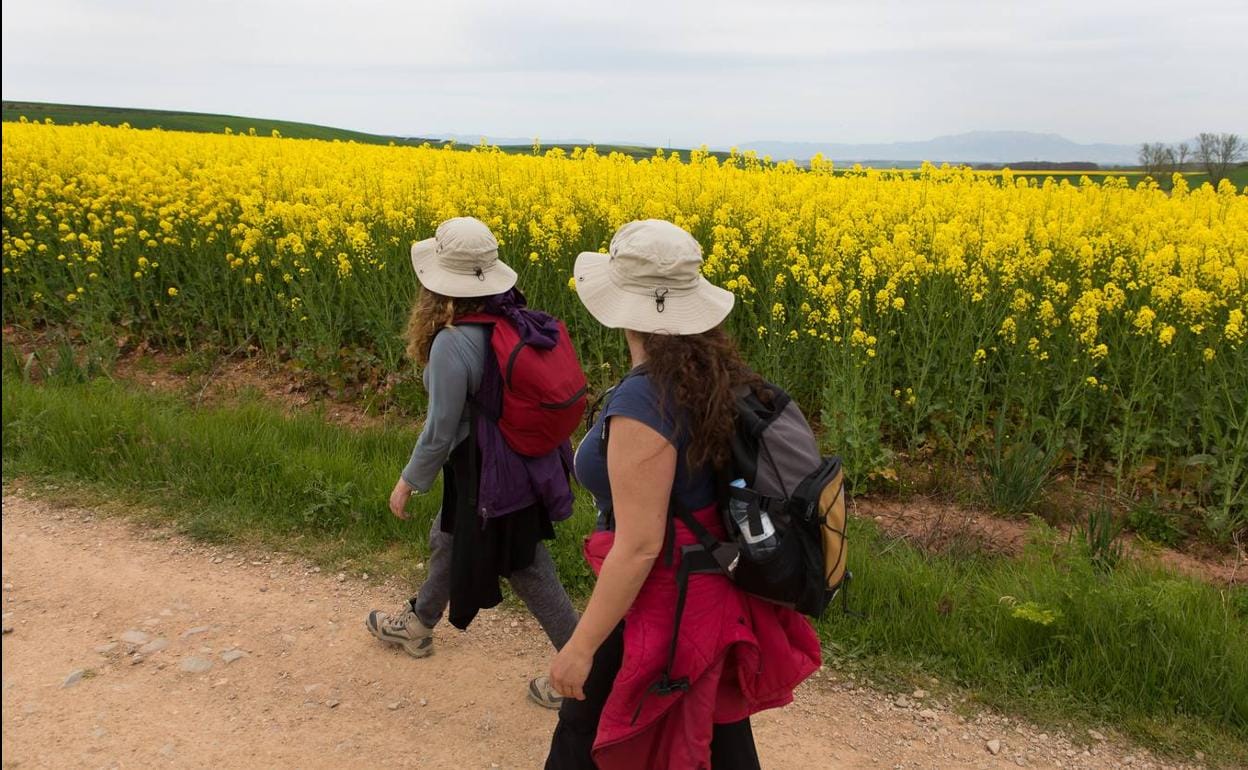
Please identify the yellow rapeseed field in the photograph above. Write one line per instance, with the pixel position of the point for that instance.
(1063, 323)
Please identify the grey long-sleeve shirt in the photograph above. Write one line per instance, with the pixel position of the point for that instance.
(456, 365)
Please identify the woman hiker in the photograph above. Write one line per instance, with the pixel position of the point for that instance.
(497, 506)
(662, 431)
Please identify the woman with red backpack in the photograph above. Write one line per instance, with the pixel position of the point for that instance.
(504, 392)
(637, 693)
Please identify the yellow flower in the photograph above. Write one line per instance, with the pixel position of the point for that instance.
(1166, 336)
(172, 291)
(981, 356)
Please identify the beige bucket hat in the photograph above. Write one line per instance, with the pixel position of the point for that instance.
(461, 260)
(651, 281)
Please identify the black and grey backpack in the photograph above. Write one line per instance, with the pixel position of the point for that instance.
(803, 493)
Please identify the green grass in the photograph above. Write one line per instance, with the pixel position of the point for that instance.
(171, 120)
(1163, 657)
(199, 122)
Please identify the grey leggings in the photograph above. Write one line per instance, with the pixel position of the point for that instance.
(537, 586)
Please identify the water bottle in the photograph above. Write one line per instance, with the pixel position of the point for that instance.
(757, 546)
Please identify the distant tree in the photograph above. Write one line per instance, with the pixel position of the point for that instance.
(1218, 153)
(1182, 154)
(1154, 157)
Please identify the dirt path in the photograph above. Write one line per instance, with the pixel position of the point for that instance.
(312, 689)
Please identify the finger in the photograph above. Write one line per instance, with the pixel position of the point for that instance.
(578, 692)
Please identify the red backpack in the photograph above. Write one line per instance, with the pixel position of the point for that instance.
(543, 390)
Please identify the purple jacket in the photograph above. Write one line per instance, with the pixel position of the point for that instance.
(510, 481)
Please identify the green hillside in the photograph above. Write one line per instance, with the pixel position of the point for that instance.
(170, 120)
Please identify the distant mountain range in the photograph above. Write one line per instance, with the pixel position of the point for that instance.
(994, 147)
(971, 147)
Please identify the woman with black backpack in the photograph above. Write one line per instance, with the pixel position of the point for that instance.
(637, 692)
(503, 452)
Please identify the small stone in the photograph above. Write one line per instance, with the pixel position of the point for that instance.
(424, 702)
(74, 677)
(342, 577)
(217, 560)
(928, 714)
(993, 746)
(167, 750)
(394, 706)
(919, 694)
(1020, 762)
(136, 659)
(196, 665)
(135, 637)
(154, 646)
(310, 688)
(105, 649)
(332, 703)
(264, 589)
(8, 586)
(8, 627)
(257, 564)
(902, 702)
(420, 565)
(196, 630)
(1128, 760)
(1096, 736)
(229, 656)
(220, 682)
(288, 638)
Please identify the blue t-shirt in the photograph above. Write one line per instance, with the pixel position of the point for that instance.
(637, 398)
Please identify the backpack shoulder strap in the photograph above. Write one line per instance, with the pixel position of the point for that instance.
(601, 405)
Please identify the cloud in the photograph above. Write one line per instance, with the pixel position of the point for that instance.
(692, 72)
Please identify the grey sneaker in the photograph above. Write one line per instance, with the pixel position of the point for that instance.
(402, 628)
(541, 693)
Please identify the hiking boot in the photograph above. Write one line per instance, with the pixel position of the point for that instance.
(541, 693)
(402, 628)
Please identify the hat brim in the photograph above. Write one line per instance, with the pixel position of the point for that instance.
(496, 280)
(693, 312)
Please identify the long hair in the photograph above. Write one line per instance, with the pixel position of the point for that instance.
(432, 312)
(696, 376)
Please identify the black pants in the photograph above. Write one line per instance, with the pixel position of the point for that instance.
(732, 745)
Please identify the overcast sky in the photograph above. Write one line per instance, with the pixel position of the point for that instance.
(713, 71)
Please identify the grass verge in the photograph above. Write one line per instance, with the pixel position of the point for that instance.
(1048, 635)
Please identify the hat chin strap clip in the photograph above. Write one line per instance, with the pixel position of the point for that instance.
(660, 298)
(480, 274)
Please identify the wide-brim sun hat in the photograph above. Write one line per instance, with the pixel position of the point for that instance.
(461, 260)
(650, 280)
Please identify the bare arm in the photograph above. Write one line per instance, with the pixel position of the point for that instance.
(641, 464)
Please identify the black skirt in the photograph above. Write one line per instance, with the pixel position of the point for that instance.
(483, 550)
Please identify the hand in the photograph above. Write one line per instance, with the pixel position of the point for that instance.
(399, 497)
(569, 670)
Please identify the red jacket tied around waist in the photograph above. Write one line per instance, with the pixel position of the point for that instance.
(741, 655)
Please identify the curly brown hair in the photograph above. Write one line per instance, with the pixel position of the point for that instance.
(431, 313)
(697, 376)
